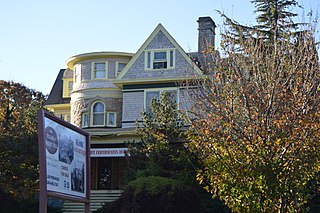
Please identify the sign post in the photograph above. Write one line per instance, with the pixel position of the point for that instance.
(64, 160)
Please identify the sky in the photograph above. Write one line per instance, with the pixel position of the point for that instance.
(38, 36)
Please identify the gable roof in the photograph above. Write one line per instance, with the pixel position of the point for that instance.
(144, 46)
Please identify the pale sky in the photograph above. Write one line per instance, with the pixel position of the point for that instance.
(38, 36)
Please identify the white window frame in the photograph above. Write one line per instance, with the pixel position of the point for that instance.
(117, 67)
(77, 73)
(115, 119)
(93, 114)
(93, 70)
(83, 116)
(160, 90)
(170, 59)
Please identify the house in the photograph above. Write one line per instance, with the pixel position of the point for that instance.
(105, 92)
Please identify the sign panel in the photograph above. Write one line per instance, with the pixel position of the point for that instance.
(108, 152)
(65, 159)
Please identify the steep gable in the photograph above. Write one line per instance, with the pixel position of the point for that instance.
(145, 66)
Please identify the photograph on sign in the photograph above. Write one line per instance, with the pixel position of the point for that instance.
(65, 159)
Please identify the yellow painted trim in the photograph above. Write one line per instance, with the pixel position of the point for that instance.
(96, 55)
(152, 51)
(65, 90)
(58, 106)
(147, 42)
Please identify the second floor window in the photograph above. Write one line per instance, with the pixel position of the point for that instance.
(85, 119)
(155, 94)
(120, 67)
(77, 73)
(99, 70)
(98, 114)
(160, 59)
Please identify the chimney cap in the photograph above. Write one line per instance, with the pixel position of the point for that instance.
(206, 19)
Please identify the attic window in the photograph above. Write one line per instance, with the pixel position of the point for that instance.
(159, 59)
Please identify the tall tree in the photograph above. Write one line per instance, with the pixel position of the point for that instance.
(274, 21)
(18, 139)
(256, 124)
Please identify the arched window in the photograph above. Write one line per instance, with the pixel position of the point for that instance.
(98, 114)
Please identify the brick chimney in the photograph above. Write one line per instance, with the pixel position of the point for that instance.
(206, 40)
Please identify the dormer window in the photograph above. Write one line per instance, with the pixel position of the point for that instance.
(99, 70)
(160, 59)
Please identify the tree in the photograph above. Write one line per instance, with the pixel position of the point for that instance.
(160, 151)
(274, 22)
(161, 171)
(18, 140)
(256, 124)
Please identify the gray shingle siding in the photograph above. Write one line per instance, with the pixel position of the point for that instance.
(160, 41)
(133, 104)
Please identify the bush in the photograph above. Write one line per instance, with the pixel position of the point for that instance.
(154, 194)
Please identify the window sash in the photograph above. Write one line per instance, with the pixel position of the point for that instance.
(160, 59)
(111, 119)
(85, 119)
(98, 119)
(160, 56)
(149, 95)
(98, 113)
(99, 70)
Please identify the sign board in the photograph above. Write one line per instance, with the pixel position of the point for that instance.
(108, 152)
(64, 157)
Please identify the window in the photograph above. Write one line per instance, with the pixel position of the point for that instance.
(111, 120)
(119, 67)
(155, 94)
(149, 96)
(85, 119)
(77, 73)
(98, 114)
(99, 70)
(67, 87)
(160, 59)
(70, 86)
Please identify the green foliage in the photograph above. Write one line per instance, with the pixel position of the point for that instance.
(29, 205)
(274, 23)
(161, 151)
(256, 124)
(155, 194)
(18, 139)
(161, 169)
